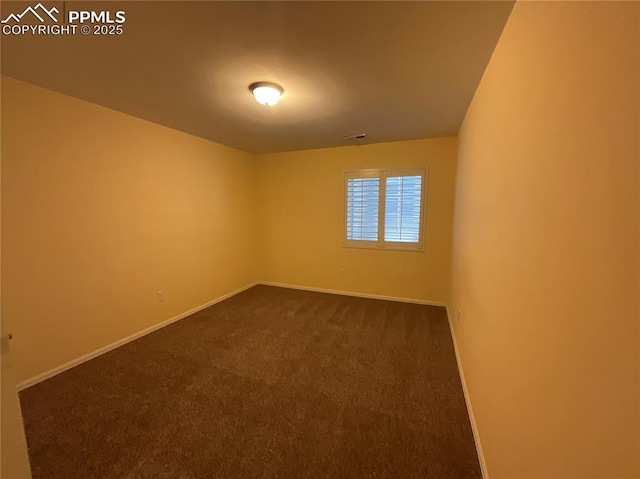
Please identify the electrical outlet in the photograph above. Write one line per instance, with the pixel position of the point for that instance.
(160, 296)
(342, 273)
(458, 316)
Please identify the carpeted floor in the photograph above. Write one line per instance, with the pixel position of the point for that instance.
(271, 383)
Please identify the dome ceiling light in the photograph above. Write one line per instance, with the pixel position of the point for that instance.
(266, 93)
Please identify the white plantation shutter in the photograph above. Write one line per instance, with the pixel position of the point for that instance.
(402, 209)
(363, 198)
(385, 209)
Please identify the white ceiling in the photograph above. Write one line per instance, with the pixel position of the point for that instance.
(393, 70)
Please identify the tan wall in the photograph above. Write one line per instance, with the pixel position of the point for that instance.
(301, 211)
(14, 457)
(99, 211)
(546, 244)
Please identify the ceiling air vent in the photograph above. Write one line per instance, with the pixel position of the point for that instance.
(360, 136)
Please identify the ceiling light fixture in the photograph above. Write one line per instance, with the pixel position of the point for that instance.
(266, 93)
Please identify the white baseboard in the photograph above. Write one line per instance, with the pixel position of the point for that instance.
(467, 399)
(75, 362)
(352, 293)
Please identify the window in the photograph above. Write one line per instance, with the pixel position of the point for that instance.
(385, 209)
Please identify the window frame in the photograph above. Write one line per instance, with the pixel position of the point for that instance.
(382, 175)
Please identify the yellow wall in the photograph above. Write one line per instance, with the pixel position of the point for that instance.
(99, 211)
(14, 457)
(546, 256)
(301, 215)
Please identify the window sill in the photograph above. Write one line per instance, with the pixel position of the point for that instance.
(411, 249)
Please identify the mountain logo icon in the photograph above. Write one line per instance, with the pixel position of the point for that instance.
(39, 11)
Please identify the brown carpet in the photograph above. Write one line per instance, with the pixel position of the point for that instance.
(271, 383)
